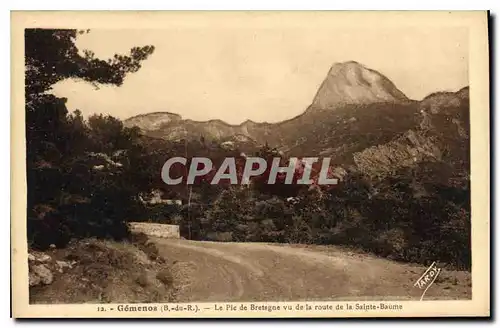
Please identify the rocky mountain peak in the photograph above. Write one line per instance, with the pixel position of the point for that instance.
(353, 83)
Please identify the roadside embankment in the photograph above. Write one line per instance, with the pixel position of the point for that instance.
(101, 271)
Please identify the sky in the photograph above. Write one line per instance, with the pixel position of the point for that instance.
(261, 74)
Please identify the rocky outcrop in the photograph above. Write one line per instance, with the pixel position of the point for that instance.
(42, 268)
(40, 274)
(152, 121)
(442, 135)
(408, 150)
(353, 83)
(440, 102)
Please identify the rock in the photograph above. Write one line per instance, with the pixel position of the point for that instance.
(227, 145)
(52, 246)
(61, 265)
(384, 159)
(34, 279)
(40, 257)
(40, 274)
(142, 280)
(340, 173)
(353, 83)
(44, 258)
(31, 257)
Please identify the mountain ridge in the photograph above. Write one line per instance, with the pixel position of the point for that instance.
(136, 119)
(342, 132)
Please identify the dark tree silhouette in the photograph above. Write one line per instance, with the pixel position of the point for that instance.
(66, 197)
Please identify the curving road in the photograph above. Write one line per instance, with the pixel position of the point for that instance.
(213, 271)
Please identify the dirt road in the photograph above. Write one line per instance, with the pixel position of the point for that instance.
(211, 271)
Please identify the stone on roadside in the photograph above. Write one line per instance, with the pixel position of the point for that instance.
(61, 265)
(40, 274)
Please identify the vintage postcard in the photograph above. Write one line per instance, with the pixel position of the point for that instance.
(250, 164)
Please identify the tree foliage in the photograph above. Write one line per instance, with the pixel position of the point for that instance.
(52, 56)
(78, 185)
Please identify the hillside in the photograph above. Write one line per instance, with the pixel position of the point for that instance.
(358, 118)
(101, 271)
(347, 85)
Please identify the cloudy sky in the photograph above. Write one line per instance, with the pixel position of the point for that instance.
(262, 74)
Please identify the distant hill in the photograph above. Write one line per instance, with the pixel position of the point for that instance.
(358, 117)
(347, 84)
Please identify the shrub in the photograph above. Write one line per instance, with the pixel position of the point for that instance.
(165, 276)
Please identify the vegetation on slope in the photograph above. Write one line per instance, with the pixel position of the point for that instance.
(80, 173)
(104, 271)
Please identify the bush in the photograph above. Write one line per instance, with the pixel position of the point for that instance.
(141, 241)
(166, 277)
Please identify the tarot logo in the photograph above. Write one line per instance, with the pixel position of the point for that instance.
(427, 279)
